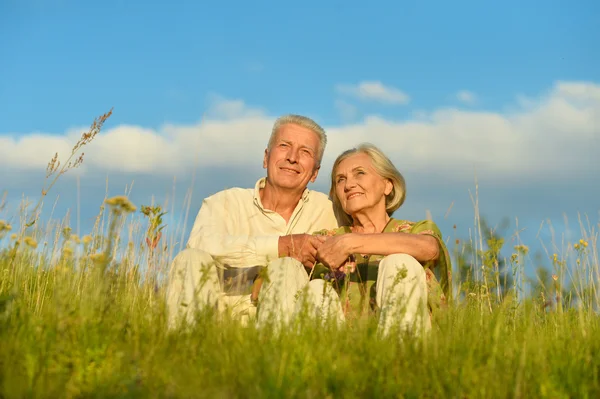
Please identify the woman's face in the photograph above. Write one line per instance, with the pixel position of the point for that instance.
(359, 187)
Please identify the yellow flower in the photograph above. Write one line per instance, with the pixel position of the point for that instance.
(4, 226)
(86, 239)
(121, 203)
(98, 258)
(554, 277)
(576, 246)
(524, 249)
(555, 257)
(31, 242)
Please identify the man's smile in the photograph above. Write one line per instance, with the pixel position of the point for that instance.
(289, 170)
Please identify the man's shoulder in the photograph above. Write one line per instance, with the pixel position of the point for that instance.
(319, 198)
(231, 194)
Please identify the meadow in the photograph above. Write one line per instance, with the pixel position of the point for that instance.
(85, 317)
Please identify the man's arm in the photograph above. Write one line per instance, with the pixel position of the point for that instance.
(214, 232)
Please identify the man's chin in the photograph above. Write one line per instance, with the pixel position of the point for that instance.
(290, 184)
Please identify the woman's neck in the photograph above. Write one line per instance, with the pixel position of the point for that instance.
(370, 222)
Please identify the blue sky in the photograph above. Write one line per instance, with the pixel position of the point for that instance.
(506, 91)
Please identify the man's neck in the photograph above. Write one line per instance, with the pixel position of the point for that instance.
(278, 200)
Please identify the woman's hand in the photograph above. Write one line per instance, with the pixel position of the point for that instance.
(335, 251)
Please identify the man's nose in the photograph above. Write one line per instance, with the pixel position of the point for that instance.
(292, 155)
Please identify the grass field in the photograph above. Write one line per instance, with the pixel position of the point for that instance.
(85, 317)
(77, 321)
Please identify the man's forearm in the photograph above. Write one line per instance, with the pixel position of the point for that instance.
(239, 250)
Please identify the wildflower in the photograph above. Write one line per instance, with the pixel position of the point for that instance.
(154, 215)
(98, 258)
(554, 277)
(66, 231)
(87, 239)
(576, 246)
(75, 238)
(13, 236)
(30, 241)
(121, 203)
(555, 257)
(524, 249)
(4, 226)
(67, 251)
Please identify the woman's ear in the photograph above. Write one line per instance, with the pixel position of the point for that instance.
(389, 187)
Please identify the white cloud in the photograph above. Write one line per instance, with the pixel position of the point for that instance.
(555, 134)
(374, 91)
(347, 111)
(466, 97)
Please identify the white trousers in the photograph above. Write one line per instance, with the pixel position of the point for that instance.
(196, 282)
(402, 295)
(288, 295)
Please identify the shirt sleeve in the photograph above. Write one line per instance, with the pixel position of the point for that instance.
(442, 267)
(214, 233)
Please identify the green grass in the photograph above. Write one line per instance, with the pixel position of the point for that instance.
(74, 325)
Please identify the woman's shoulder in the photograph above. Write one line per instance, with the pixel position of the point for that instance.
(415, 227)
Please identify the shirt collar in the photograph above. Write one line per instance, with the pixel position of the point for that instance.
(261, 183)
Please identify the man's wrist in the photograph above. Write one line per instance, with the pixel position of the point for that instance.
(284, 247)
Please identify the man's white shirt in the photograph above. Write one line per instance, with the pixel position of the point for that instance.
(237, 231)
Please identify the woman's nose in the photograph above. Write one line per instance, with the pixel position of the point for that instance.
(350, 183)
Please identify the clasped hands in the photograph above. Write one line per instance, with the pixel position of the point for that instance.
(332, 251)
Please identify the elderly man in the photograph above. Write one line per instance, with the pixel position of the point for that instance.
(240, 231)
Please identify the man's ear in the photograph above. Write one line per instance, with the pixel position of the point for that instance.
(389, 187)
(315, 174)
(266, 158)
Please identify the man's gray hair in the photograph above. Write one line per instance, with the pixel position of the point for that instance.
(306, 123)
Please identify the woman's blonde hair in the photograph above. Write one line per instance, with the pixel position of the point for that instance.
(384, 167)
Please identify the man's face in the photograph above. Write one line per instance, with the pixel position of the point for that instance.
(292, 161)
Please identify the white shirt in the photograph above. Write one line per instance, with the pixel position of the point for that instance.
(236, 230)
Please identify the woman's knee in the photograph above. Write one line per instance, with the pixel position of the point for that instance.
(402, 263)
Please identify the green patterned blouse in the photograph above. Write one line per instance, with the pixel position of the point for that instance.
(353, 288)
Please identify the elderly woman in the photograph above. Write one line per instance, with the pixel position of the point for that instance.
(375, 260)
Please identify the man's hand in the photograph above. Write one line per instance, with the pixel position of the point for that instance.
(335, 251)
(302, 247)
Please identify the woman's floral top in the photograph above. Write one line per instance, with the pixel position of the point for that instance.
(353, 288)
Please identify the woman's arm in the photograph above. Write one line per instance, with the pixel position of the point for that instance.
(422, 247)
(334, 252)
